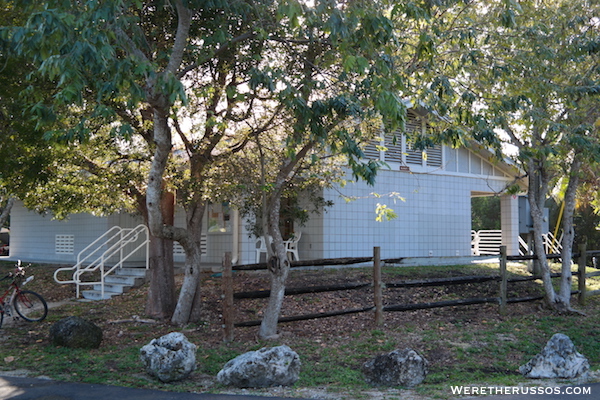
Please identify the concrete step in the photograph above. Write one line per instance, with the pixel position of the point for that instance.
(119, 282)
(131, 280)
(131, 271)
(113, 288)
(97, 295)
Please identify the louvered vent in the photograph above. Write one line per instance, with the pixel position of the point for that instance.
(372, 151)
(179, 251)
(434, 156)
(413, 156)
(64, 244)
(413, 128)
(393, 143)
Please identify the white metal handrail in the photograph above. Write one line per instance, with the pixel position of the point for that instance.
(106, 247)
(487, 242)
(552, 244)
(523, 247)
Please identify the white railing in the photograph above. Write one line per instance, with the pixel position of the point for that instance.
(552, 244)
(486, 242)
(107, 253)
(523, 247)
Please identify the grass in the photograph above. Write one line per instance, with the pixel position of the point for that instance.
(471, 345)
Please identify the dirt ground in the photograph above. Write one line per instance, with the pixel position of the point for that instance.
(118, 315)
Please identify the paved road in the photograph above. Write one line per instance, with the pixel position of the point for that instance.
(13, 388)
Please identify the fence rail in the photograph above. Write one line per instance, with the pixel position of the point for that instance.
(502, 299)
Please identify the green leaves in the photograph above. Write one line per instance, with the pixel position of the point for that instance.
(384, 213)
(292, 11)
(356, 64)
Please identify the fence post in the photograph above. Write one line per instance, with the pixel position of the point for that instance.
(503, 280)
(378, 297)
(581, 273)
(227, 299)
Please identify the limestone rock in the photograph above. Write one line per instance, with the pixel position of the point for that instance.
(275, 366)
(169, 358)
(399, 368)
(558, 359)
(76, 332)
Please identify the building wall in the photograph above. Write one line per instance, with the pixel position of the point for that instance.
(218, 243)
(34, 237)
(434, 215)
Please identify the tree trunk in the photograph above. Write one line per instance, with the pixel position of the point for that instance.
(189, 289)
(564, 296)
(161, 294)
(6, 211)
(279, 268)
(189, 304)
(538, 184)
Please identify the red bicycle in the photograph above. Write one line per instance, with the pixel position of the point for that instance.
(28, 305)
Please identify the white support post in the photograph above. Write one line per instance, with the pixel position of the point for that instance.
(509, 221)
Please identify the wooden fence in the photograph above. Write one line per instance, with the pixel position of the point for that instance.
(502, 279)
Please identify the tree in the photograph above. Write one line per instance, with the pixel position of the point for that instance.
(6, 206)
(73, 171)
(24, 162)
(213, 64)
(357, 62)
(535, 78)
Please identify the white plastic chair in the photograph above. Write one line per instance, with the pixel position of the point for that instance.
(261, 247)
(291, 247)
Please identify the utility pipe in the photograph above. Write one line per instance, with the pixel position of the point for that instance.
(235, 216)
(559, 220)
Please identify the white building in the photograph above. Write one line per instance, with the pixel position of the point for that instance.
(434, 217)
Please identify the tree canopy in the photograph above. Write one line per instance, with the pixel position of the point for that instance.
(536, 79)
(204, 78)
(166, 92)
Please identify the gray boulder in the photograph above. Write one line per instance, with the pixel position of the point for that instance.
(169, 358)
(275, 366)
(399, 368)
(76, 332)
(558, 359)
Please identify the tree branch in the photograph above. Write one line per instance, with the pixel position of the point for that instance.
(6, 211)
(188, 145)
(181, 37)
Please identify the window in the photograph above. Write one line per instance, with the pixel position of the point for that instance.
(219, 218)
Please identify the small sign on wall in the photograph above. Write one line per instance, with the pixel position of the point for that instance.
(405, 168)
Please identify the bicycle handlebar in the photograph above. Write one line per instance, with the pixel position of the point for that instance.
(19, 271)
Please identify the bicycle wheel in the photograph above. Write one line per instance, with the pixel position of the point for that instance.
(30, 306)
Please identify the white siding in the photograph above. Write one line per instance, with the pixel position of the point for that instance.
(41, 238)
(433, 220)
(33, 236)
